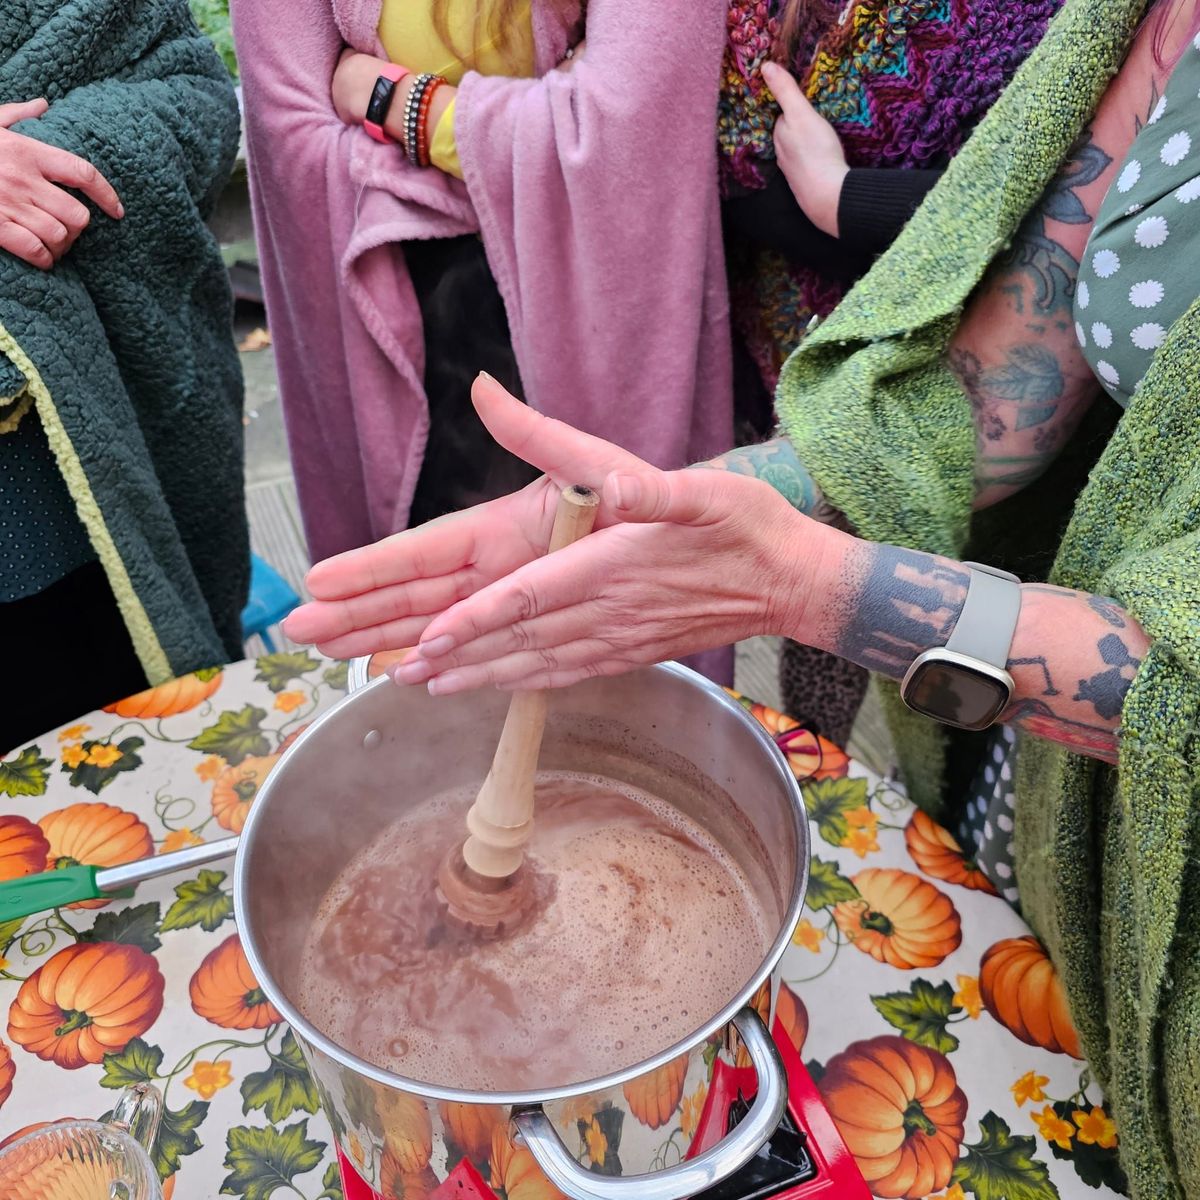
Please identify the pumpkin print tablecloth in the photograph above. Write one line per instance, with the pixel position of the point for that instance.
(932, 1021)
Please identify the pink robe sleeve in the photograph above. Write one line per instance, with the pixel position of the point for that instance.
(332, 209)
(596, 194)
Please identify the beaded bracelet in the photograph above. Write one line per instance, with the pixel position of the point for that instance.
(411, 105)
(423, 145)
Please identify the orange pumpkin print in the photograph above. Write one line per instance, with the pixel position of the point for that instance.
(791, 1014)
(513, 1168)
(95, 834)
(8, 1069)
(168, 699)
(17, 1135)
(900, 919)
(235, 789)
(89, 1000)
(23, 847)
(470, 1127)
(937, 852)
(654, 1097)
(396, 1185)
(1022, 989)
(900, 1112)
(225, 992)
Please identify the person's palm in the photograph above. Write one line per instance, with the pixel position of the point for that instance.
(381, 597)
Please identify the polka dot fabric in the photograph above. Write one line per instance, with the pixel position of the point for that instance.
(41, 538)
(1138, 274)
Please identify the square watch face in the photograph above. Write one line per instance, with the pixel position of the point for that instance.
(956, 694)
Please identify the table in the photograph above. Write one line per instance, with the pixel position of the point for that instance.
(905, 968)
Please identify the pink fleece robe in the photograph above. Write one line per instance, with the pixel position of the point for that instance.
(595, 192)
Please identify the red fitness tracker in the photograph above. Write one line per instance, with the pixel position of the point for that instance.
(381, 101)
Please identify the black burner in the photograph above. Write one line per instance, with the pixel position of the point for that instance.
(783, 1163)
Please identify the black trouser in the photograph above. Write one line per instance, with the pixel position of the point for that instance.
(66, 652)
(466, 331)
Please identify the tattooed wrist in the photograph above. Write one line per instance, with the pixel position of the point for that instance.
(776, 463)
(1073, 658)
(900, 604)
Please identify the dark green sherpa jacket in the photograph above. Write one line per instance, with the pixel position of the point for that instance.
(1108, 861)
(124, 350)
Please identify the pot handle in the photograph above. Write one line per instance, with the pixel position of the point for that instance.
(730, 1154)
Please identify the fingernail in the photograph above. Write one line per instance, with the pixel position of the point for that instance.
(120, 209)
(407, 674)
(436, 647)
(485, 375)
(440, 685)
(628, 491)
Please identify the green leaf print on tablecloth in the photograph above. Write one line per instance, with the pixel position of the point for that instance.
(177, 1136)
(260, 1161)
(1095, 1163)
(201, 902)
(283, 1087)
(331, 1181)
(827, 886)
(94, 765)
(829, 800)
(922, 1014)
(278, 670)
(137, 926)
(25, 775)
(337, 676)
(137, 1063)
(1001, 1166)
(236, 736)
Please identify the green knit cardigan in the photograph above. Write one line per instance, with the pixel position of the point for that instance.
(1105, 858)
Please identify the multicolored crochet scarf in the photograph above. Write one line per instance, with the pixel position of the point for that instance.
(903, 81)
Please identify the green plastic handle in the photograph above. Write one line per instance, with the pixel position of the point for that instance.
(51, 889)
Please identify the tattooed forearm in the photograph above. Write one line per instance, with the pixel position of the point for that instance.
(775, 462)
(1071, 671)
(1015, 353)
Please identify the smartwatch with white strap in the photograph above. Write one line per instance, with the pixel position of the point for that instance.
(966, 682)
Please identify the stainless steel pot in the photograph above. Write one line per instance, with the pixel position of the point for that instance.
(385, 747)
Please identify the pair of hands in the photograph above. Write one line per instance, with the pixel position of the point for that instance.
(680, 561)
(808, 151)
(39, 218)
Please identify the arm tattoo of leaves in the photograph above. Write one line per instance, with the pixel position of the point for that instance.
(1050, 267)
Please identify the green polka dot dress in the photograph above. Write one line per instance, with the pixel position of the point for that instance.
(1140, 272)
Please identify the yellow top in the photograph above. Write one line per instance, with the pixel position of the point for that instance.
(409, 38)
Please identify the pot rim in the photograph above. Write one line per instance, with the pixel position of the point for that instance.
(330, 1049)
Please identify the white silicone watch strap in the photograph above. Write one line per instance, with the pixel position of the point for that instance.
(988, 621)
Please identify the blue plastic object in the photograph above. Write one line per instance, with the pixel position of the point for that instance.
(271, 599)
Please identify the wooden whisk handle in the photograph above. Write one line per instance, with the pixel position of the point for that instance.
(501, 819)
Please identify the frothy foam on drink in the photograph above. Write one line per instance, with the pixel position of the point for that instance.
(645, 929)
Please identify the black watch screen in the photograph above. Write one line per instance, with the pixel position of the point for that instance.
(956, 694)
